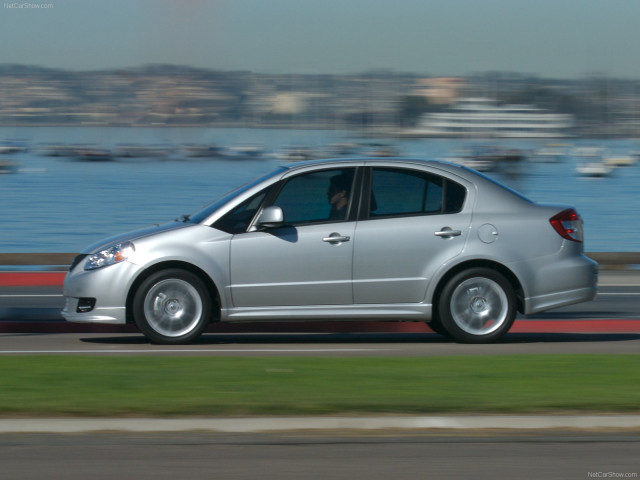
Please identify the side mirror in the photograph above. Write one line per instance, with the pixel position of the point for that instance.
(271, 217)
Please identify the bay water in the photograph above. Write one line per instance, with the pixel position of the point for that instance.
(57, 204)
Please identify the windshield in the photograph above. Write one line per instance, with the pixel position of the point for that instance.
(206, 211)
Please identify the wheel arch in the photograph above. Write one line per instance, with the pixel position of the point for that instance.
(210, 285)
(498, 267)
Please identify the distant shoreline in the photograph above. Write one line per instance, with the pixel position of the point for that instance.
(368, 133)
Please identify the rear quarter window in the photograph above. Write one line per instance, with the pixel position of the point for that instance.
(455, 195)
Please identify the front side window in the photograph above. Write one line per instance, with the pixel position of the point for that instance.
(401, 192)
(208, 210)
(238, 219)
(319, 196)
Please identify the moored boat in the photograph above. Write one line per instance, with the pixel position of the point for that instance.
(13, 146)
(93, 154)
(203, 151)
(143, 151)
(621, 160)
(593, 169)
(7, 166)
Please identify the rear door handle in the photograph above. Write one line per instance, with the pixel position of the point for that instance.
(447, 232)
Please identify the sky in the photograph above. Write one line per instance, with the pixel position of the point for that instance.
(548, 38)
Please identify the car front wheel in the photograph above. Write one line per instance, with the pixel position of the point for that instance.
(172, 307)
(477, 306)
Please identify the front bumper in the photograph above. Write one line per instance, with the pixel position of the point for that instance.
(109, 286)
(107, 315)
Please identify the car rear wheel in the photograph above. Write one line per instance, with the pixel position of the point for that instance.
(172, 307)
(477, 306)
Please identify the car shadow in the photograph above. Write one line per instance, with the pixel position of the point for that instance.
(367, 338)
(568, 337)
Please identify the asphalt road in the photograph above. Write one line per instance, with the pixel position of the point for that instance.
(561, 455)
(442, 454)
(309, 344)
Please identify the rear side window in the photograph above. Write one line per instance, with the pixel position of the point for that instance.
(401, 192)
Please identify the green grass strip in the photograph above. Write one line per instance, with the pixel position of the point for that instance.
(222, 386)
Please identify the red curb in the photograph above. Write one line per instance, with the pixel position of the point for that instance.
(32, 279)
(576, 326)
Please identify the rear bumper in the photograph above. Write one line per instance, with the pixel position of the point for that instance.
(565, 282)
(562, 299)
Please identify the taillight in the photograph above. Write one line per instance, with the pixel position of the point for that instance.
(568, 224)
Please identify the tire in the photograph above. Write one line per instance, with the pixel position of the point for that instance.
(436, 325)
(172, 307)
(477, 306)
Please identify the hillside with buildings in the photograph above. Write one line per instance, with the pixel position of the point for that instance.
(381, 101)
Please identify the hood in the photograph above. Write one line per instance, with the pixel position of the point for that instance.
(134, 235)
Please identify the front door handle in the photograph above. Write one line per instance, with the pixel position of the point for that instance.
(336, 239)
(447, 232)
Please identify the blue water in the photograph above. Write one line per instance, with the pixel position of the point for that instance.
(60, 205)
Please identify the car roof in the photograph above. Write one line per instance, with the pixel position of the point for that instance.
(390, 161)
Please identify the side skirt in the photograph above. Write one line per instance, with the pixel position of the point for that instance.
(415, 312)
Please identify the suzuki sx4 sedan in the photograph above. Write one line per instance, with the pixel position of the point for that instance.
(357, 239)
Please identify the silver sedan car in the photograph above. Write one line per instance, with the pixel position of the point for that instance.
(359, 239)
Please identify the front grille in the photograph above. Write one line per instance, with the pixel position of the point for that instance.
(77, 260)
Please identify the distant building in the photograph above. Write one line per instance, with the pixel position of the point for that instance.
(440, 91)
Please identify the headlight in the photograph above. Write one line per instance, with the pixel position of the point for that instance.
(116, 254)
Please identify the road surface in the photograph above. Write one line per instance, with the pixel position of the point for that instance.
(561, 455)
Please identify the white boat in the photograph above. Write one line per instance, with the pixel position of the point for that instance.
(594, 169)
(13, 146)
(245, 152)
(588, 152)
(621, 160)
(482, 118)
